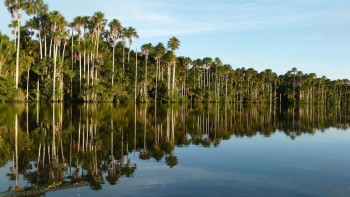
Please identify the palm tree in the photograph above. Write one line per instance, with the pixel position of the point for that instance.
(146, 50)
(159, 51)
(169, 58)
(218, 63)
(15, 8)
(78, 22)
(207, 61)
(185, 62)
(39, 8)
(136, 77)
(115, 28)
(294, 71)
(130, 33)
(58, 33)
(123, 37)
(173, 45)
(98, 22)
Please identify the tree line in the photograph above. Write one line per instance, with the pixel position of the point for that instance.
(90, 59)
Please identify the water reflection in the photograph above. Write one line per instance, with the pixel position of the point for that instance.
(58, 146)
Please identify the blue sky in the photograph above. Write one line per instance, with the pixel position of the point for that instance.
(311, 35)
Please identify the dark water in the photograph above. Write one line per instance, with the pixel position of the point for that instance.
(175, 150)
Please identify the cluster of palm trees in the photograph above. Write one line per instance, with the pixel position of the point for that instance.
(86, 60)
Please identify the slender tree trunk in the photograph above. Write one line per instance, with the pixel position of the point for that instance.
(113, 64)
(84, 54)
(51, 47)
(129, 53)
(61, 87)
(27, 85)
(226, 88)
(123, 58)
(169, 79)
(145, 90)
(45, 45)
(79, 70)
(97, 41)
(92, 68)
(135, 77)
(72, 62)
(40, 45)
(54, 73)
(155, 95)
(64, 49)
(18, 46)
(88, 69)
(173, 89)
(37, 91)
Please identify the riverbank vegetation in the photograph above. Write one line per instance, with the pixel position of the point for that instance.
(90, 59)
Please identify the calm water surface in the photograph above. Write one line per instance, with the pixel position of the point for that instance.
(174, 150)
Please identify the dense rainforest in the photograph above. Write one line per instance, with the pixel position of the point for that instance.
(91, 59)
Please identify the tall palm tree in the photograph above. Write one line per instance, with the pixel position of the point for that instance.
(130, 33)
(159, 51)
(115, 28)
(123, 37)
(173, 45)
(217, 63)
(169, 58)
(146, 50)
(58, 33)
(294, 72)
(98, 22)
(78, 22)
(15, 8)
(38, 8)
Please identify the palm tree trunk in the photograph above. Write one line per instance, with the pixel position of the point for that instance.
(54, 73)
(79, 70)
(84, 63)
(64, 50)
(123, 58)
(61, 87)
(226, 89)
(174, 77)
(45, 45)
(72, 62)
(50, 47)
(97, 41)
(169, 79)
(40, 45)
(17, 53)
(145, 90)
(113, 64)
(27, 85)
(37, 91)
(92, 68)
(129, 53)
(155, 95)
(135, 76)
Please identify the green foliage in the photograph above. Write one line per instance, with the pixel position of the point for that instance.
(8, 91)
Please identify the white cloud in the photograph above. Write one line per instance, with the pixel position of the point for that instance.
(205, 16)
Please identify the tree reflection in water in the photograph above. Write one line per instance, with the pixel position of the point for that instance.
(57, 146)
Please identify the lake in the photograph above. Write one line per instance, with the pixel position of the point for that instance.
(174, 150)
